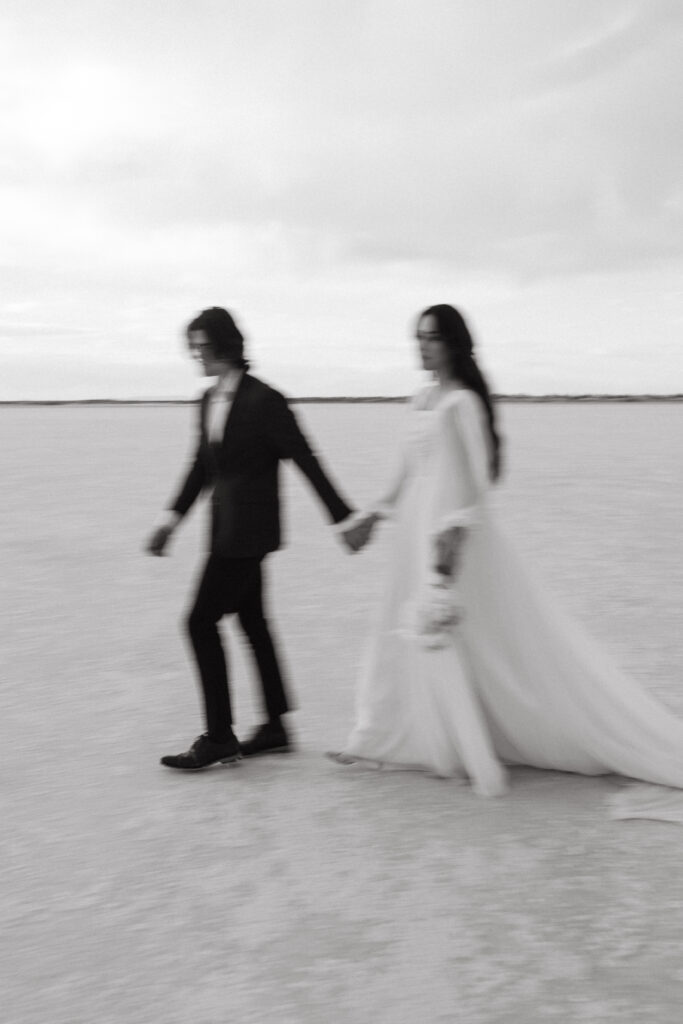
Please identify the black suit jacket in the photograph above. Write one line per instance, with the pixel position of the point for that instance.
(261, 430)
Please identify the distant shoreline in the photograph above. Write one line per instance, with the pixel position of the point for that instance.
(319, 400)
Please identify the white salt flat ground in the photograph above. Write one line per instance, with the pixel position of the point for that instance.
(288, 889)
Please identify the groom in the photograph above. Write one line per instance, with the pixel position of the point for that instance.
(246, 429)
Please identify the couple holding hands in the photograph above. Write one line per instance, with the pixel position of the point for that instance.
(473, 666)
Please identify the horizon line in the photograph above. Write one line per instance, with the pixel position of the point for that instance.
(320, 399)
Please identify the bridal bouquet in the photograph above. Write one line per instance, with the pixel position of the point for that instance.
(439, 610)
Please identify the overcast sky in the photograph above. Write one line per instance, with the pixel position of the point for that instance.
(327, 168)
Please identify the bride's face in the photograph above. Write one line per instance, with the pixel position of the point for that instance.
(432, 349)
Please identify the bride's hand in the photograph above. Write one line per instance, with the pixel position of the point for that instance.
(447, 551)
(439, 610)
(359, 532)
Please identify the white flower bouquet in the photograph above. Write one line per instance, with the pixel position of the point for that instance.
(438, 611)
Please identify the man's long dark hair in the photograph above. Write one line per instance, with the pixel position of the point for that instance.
(456, 337)
(227, 341)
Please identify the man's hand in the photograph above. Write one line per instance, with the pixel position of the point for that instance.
(358, 535)
(159, 539)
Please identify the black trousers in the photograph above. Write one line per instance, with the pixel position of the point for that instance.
(232, 586)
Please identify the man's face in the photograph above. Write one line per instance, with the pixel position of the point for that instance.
(202, 350)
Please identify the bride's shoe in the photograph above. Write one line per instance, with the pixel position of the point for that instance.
(339, 757)
(495, 785)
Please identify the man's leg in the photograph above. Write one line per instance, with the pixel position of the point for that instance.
(222, 590)
(253, 622)
(271, 736)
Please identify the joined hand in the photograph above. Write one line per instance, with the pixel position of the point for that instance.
(358, 535)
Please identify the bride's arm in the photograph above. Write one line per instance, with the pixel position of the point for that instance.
(384, 508)
(359, 526)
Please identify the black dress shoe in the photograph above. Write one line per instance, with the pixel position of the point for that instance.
(268, 739)
(203, 753)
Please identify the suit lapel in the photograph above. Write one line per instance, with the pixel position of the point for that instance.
(235, 413)
(210, 447)
(204, 415)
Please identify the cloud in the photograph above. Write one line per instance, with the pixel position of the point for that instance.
(310, 156)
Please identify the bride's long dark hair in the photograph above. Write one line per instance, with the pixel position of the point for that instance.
(456, 337)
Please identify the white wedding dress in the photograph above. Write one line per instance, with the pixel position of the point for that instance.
(519, 682)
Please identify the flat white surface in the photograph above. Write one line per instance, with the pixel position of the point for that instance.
(290, 888)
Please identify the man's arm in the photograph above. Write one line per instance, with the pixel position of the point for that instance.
(156, 544)
(194, 483)
(291, 443)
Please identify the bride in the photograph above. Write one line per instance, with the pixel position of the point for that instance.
(472, 665)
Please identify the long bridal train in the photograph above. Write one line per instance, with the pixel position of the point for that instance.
(520, 682)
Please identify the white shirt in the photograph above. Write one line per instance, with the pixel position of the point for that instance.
(218, 407)
(220, 403)
(217, 410)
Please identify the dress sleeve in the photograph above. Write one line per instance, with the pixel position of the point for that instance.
(462, 469)
(385, 506)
